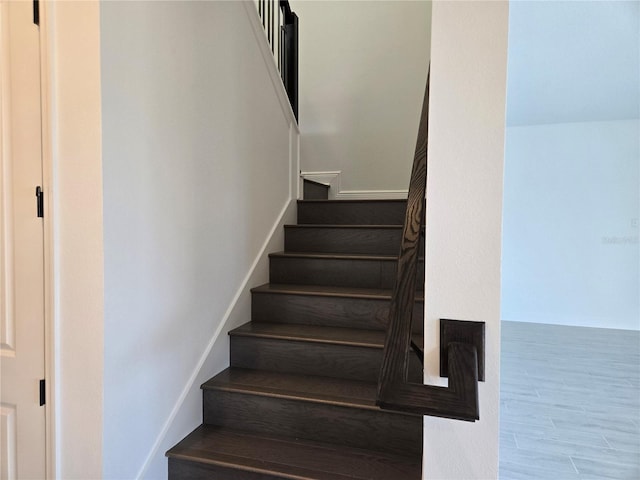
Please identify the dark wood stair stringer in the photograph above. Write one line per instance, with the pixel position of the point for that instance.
(299, 398)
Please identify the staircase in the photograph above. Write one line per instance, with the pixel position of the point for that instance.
(298, 401)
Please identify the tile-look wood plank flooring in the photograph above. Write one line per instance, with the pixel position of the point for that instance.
(570, 403)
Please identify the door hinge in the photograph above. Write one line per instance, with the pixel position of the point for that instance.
(39, 202)
(36, 12)
(42, 392)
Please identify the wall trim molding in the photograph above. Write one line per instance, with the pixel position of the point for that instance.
(580, 321)
(326, 178)
(6, 206)
(295, 187)
(333, 179)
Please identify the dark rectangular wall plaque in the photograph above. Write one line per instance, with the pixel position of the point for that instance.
(464, 332)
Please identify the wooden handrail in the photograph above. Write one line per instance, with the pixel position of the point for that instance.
(460, 399)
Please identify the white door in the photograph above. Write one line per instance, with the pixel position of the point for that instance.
(22, 426)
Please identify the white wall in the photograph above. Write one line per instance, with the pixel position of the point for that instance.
(573, 61)
(73, 229)
(199, 157)
(571, 198)
(363, 67)
(571, 252)
(464, 211)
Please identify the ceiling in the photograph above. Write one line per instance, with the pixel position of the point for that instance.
(573, 61)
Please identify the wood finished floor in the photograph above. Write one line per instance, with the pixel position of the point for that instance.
(570, 403)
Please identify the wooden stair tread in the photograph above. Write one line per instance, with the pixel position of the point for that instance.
(290, 458)
(343, 226)
(316, 334)
(328, 291)
(335, 256)
(311, 388)
(366, 201)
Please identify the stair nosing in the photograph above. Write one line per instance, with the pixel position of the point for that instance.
(285, 395)
(239, 465)
(344, 226)
(353, 200)
(293, 338)
(336, 256)
(309, 291)
(356, 403)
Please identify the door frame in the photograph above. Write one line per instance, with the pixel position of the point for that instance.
(51, 411)
(73, 237)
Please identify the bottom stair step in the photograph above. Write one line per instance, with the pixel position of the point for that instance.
(216, 452)
(317, 409)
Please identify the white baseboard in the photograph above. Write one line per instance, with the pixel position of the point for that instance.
(578, 320)
(287, 214)
(371, 194)
(332, 179)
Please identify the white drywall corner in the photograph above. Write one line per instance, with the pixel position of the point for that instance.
(464, 216)
(72, 159)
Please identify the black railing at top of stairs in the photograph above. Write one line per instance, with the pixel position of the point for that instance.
(281, 27)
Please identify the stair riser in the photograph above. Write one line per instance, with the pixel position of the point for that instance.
(187, 470)
(352, 213)
(366, 313)
(314, 191)
(309, 358)
(374, 241)
(362, 273)
(375, 430)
